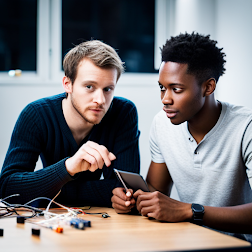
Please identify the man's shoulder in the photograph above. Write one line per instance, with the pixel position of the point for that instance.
(121, 110)
(120, 106)
(122, 102)
(237, 112)
(46, 102)
(161, 118)
(49, 100)
(43, 107)
(162, 123)
(160, 115)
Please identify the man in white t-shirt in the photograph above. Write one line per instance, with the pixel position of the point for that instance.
(199, 144)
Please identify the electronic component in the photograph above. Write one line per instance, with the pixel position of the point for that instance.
(105, 215)
(79, 223)
(87, 223)
(20, 219)
(58, 229)
(36, 231)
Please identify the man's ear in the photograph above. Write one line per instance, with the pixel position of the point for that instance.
(67, 84)
(209, 86)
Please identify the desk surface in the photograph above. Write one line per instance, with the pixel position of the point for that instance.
(116, 233)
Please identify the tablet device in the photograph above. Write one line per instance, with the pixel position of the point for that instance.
(131, 180)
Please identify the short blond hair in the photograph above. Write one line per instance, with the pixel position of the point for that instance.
(101, 54)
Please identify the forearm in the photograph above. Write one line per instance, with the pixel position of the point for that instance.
(159, 179)
(235, 219)
(43, 183)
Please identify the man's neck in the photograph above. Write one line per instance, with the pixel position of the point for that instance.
(205, 120)
(79, 127)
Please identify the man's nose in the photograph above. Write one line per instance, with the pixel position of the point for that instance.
(99, 97)
(167, 98)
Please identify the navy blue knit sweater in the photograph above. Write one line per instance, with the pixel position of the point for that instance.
(41, 129)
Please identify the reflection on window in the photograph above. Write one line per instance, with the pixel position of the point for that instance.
(18, 35)
(126, 25)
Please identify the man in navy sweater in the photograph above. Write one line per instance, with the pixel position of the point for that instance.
(79, 135)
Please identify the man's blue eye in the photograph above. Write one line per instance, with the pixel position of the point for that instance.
(107, 89)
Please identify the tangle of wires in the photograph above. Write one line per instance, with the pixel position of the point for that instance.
(15, 210)
(51, 219)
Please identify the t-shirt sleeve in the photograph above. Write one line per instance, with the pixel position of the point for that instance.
(247, 151)
(156, 155)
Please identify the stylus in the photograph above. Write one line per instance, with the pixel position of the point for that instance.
(119, 176)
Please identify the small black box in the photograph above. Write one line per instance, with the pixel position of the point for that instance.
(36, 231)
(20, 219)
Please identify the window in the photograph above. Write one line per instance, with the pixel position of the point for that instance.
(126, 25)
(18, 29)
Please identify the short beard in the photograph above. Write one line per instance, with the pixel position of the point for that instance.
(75, 106)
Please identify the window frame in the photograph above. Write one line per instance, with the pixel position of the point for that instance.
(164, 26)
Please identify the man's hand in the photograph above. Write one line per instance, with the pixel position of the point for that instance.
(122, 202)
(90, 156)
(162, 207)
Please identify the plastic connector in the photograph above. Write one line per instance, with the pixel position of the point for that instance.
(58, 229)
(80, 223)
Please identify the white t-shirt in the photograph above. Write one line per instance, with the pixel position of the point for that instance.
(215, 172)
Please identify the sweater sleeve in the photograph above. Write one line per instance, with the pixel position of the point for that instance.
(125, 146)
(18, 174)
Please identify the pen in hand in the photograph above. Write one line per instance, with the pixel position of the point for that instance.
(128, 194)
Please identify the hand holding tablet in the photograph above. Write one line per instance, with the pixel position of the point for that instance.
(131, 180)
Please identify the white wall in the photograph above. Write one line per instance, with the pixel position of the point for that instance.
(234, 33)
(195, 15)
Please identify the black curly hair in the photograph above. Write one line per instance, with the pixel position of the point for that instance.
(204, 59)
